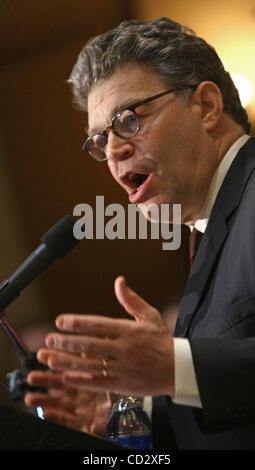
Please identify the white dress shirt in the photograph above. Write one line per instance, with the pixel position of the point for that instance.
(186, 389)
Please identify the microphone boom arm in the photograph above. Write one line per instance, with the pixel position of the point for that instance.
(16, 340)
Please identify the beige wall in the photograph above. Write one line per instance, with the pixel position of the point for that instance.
(228, 25)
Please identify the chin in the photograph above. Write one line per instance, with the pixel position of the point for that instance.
(153, 211)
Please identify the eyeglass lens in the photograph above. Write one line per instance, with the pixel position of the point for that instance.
(125, 124)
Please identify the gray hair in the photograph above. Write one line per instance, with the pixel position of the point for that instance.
(172, 51)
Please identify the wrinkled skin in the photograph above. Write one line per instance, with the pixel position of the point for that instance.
(123, 343)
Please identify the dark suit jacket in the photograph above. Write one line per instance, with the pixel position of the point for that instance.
(219, 302)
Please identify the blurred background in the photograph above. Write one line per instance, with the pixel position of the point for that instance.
(44, 174)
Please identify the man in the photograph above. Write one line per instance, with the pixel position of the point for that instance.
(167, 118)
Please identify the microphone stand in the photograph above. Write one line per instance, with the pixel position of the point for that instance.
(18, 385)
(17, 341)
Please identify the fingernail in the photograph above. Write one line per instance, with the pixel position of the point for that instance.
(60, 322)
(50, 341)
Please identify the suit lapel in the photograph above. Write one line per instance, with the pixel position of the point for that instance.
(215, 235)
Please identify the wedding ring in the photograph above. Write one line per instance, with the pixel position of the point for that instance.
(104, 367)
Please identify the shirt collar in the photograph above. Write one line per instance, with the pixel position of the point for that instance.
(217, 180)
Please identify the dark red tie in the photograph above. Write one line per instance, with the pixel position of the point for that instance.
(194, 240)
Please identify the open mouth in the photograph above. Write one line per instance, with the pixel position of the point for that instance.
(138, 179)
(134, 179)
(137, 182)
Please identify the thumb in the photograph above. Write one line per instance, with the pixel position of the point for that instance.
(132, 302)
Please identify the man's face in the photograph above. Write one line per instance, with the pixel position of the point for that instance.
(170, 148)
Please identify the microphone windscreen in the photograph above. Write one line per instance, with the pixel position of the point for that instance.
(60, 238)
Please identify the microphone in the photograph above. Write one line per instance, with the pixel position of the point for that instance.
(56, 243)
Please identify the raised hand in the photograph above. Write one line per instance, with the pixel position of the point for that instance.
(118, 355)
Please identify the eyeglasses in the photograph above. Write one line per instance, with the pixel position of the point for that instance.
(124, 124)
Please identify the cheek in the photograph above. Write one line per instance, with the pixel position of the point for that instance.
(112, 169)
(164, 147)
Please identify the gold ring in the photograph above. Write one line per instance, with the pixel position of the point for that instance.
(104, 367)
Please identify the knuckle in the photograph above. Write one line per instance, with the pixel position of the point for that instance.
(54, 363)
(76, 324)
(64, 343)
(88, 348)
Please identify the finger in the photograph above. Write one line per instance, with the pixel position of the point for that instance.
(61, 361)
(86, 346)
(93, 384)
(59, 402)
(93, 356)
(41, 399)
(92, 325)
(133, 303)
(51, 381)
(44, 379)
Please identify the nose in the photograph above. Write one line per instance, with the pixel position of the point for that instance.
(118, 148)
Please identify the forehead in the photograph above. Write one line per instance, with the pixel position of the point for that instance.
(124, 87)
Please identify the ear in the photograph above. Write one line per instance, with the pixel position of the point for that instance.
(209, 98)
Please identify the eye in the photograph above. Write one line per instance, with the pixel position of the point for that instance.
(126, 123)
(100, 140)
(126, 117)
(130, 119)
